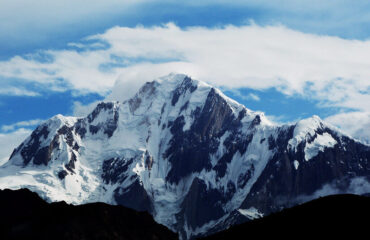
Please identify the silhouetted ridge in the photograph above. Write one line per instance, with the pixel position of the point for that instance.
(24, 215)
(334, 216)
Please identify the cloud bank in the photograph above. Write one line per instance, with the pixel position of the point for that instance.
(332, 70)
(353, 123)
(327, 68)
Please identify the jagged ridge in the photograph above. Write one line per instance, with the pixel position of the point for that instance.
(187, 154)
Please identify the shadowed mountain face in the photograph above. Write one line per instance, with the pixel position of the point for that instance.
(196, 160)
(335, 216)
(24, 215)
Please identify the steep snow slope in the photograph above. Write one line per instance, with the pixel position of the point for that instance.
(186, 153)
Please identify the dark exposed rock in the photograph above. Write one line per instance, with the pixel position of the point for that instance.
(184, 107)
(145, 91)
(14, 152)
(148, 89)
(256, 121)
(76, 147)
(108, 127)
(134, 197)
(245, 177)
(134, 103)
(281, 185)
(42, 156)
(80, 128)
(189, 150)
(70, 166)
(67, 132)
(201, 204)
(114, 170)
(62, 174)
(163, 107)
(148, 160)
(187, 84)
(94, 129)
(98, 109)
(33, 149)
(236, 142)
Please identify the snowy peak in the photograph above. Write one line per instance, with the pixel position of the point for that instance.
(36, 149)
(103, 118)
(183, 151)
(314, 136)
(305, 129)
(307, 126)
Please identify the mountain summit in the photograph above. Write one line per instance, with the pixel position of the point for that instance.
(193, 158)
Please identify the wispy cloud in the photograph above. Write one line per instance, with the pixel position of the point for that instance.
(9, 141)
(14, 91)
(356, 124)
(21, 124)
(246, 97)
(330, 69)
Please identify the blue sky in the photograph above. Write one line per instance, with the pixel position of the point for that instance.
(292, 59)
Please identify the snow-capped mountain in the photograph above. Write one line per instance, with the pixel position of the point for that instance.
(195, 159)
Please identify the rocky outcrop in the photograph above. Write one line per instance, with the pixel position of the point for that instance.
(289, 178)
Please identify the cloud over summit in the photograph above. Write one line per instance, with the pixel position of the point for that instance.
(330, 69)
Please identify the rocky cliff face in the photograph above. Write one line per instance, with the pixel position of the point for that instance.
(193, 158)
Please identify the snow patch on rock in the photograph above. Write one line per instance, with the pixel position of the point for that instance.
(319, 144)
(304, 130)
(251, 213)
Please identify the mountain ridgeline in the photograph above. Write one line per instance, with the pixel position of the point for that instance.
(24, 215)
(336, 216)
(196, 160)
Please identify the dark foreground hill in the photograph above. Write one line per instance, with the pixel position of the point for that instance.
(336, 216)
(24, 215)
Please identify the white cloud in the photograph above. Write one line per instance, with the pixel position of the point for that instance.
(330, 69)
(356, 124)
(69, 70)
(252, 96)
(357, 185)
(9, 141)
(246, 97)
(14, 91)
(21, 124)
(81, 110)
